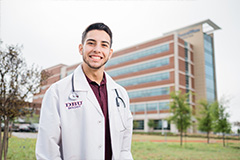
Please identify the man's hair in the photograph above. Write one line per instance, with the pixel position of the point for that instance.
(97, 26)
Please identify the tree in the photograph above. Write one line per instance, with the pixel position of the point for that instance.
(151, 124)
(181, 111)
(18, 83)
(205, 118)
(221, 123)
(135, 124)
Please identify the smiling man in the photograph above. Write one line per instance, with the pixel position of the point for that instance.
(86, 115)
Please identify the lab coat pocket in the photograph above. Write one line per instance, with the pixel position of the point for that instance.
(120, 120)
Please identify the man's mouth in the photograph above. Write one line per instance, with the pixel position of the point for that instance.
(95, 57)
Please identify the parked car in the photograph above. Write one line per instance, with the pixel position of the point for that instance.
(34, 127)
(21, 127)
(24, 127)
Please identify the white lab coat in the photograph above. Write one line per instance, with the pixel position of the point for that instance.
(76, 131)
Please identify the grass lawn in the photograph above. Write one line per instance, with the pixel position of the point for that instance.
(144, 147)
(21, 149)
(150, 147)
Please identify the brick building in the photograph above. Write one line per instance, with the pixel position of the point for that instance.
(179, 60)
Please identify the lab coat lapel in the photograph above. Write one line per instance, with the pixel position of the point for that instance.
(111, 85)
(81, 84)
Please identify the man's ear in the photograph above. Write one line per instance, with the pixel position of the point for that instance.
(110, 53)
(80, 49)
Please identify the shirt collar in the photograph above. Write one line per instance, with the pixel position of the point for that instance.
(103, 82)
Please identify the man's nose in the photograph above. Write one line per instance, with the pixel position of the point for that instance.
(97, 48)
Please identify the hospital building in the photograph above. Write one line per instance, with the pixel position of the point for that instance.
(181, 60)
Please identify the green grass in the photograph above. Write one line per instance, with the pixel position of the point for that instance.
(144, 149)
(189, 151)
(21, 149)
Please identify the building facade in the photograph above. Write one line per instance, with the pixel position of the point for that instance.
(181, 60)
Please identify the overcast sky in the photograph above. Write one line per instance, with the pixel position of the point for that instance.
(50, 31)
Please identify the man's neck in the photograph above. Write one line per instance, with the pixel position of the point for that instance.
(93, 74)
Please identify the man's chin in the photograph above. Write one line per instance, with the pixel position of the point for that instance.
(95, 67)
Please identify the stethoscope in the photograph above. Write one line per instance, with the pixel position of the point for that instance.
(74, 95)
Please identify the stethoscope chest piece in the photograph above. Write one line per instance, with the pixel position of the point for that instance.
(73, 96)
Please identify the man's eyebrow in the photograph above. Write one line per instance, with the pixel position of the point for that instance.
(91, 40)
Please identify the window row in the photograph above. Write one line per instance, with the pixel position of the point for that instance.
(156, 106)
(137, 55)
(158, 125)
(149, 92)
(144, 79)
(139, 67)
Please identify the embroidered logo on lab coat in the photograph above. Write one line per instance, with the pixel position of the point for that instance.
(73, 105)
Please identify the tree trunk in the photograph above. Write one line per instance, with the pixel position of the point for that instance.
(223, 140)
(1, 139)
(5, 138)
(208, 137)
(181, 135)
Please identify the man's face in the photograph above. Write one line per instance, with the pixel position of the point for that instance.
(96, 49)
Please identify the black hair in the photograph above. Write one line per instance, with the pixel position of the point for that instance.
(97, 26)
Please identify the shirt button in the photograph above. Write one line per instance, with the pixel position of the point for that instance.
(99, 122)
(100, 146)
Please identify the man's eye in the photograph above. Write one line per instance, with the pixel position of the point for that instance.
(104, 45)
(90, 43)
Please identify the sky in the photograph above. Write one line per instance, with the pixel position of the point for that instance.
(50, 31)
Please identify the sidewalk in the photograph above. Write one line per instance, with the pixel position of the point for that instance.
(24, 134)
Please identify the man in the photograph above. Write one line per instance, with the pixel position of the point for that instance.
(86, 115)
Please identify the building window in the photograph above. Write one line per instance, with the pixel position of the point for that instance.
(137, 55)
(138, 124)
(139, 67)
(186, 54)
(163, 105)
(149, 92)
(209, 68)
(154, 106)
(159, 125)
(139, 107)
(144, 79)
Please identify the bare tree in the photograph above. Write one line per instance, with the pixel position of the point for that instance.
(18, 83)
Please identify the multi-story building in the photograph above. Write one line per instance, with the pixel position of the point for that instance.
(181, 60)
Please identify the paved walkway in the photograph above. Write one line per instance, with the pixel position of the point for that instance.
(190, 141)
(34, 135)
(24, 134)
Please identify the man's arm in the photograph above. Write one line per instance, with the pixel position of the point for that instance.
(48, 141)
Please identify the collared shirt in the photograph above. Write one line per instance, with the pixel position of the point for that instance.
(100, 92)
